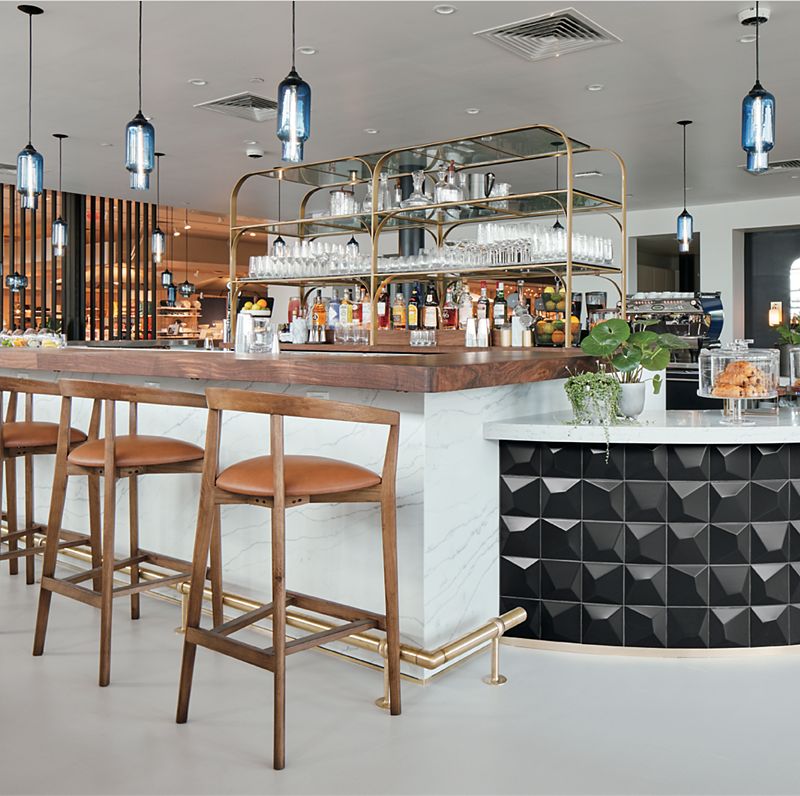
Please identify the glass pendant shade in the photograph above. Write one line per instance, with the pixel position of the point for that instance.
(166, 277)
(158, 244)
(685, 231)
(352, 246)
(16, 282)
(140, 147)
(30, 173)
(59, 237)
(558, 225)
(294, 116)
(278, 247)
(758, 128)
(171, 290)
(186, 288)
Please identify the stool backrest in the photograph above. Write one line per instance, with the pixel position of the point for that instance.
(105, 396)
(29, 388)
(278, 406)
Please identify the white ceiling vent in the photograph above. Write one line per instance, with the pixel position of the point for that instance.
(244, 106)
(550, 35)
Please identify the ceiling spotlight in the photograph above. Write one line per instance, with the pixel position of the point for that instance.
(176, 234)
(748, 39)
(196, 81)
(595, 87)
(106, 143)
(187, 226)
(444, 10)
(473, 111)
(307, 50)
(252, 234)
(256, 79)
(371, 131)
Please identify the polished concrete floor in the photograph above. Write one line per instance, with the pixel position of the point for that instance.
(564, 723)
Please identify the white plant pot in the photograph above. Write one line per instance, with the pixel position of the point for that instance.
(631, 399)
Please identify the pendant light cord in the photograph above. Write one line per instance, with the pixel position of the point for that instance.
(280, 180)
(757, 21)
(684, 167)
(30, 73)
(293, 33)
(60, 141)
(186, 262)
(140, 56)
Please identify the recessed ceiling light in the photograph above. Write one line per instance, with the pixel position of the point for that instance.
(595, 87)
(748, 39)
(106, 143)
(256, 79)
(252, 234)
(176, 234)
(796, 176)
(197, 81)
(306, 50)
(371, 131)
(187, 226)
(445, 10)
(473, 111)
(592, 173)
(250, 143)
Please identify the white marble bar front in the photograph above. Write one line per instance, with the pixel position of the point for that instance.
(447, 499)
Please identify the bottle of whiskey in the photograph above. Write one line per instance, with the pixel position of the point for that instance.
(500, 307)
(430, 312)
(449, 311)
(318, 313)
(484, 305)
(413, 309)
(346, 308)
(399, 312)
(465, 306)
(383, 310)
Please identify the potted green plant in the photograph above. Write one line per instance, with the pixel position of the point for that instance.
(630, 354)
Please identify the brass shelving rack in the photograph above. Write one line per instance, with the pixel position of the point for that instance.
(486, 150)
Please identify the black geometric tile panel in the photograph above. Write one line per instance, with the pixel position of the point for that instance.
(672, 546)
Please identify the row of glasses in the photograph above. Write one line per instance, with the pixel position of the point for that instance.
(308, 259)
(351, 334)
(423, 337)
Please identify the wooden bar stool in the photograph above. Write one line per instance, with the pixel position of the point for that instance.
(279, 482)
(24, 439)
(113, 457)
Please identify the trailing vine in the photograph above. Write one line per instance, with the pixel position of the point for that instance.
(594, 398)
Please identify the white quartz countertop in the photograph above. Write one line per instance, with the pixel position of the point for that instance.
(656, 428)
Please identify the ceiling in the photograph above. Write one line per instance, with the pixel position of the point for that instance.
(404, 70)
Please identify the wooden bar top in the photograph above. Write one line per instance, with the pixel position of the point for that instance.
(439, 371)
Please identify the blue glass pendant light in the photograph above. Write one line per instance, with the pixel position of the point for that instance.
(186, 288)
(685, 220)
(294, 110)
(556, 146)
(140, 137)
(758, 118)
(158, 242)
(58, 234)
(30, 164)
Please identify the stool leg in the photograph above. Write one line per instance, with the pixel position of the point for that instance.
(202, 540)
(133, 504)
(30, 561)
(54, 520)
(11, 512)
(107, 574)
(95, 541)
(279, 634)
(216, 569)
(389, 541)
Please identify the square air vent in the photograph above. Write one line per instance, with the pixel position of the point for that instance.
(549, 35)
(244, 106)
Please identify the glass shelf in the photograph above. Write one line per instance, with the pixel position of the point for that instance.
(495, 208)
(474, 151)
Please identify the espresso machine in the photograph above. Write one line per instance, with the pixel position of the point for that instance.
(695, 317)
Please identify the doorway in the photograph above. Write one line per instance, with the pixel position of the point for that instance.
(661, 268)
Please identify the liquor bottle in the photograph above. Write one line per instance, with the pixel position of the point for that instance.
(484, 304)
(499, 309)
(333, 309)
(449, 311)
(399, 312)
(318, 313)
(294, 306)
(466, 309)
(346, 308)
(413, 309)
(383, 310)
(357, 309)
(430, 311)
(521, 307)
(366, 309)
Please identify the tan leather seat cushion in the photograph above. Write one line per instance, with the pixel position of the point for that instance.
(35, 434)
(137, 451)
(303, 475)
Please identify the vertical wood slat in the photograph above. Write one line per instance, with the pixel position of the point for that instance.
(154, 284)
(126, 285)
(23, 261)
(110, 270)
(137, 281)
(101, 275)
(120, 262)
(54, 294)
(43, 283)
(146, 273)
(33, 299)
(92, 265)
(2, 256)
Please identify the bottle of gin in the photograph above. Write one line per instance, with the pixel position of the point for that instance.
(333, 309)
(499, 309)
